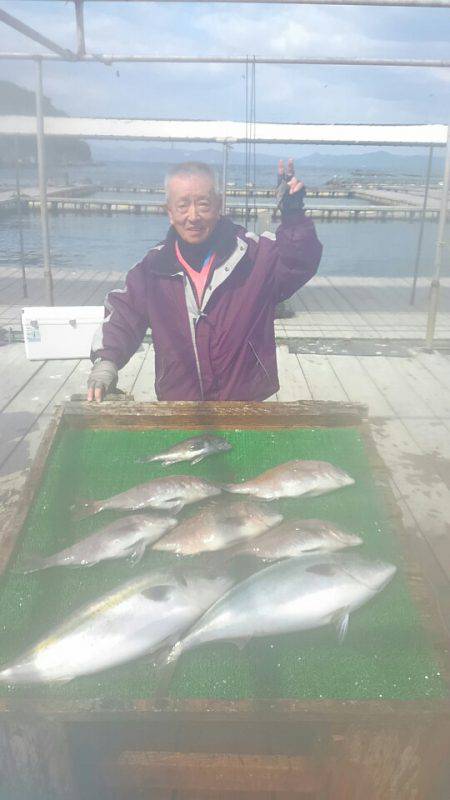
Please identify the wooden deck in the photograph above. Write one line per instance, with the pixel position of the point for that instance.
(408, 397)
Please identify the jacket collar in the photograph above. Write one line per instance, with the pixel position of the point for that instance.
(165, 262)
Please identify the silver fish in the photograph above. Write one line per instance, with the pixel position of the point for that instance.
(165, 494)
(293, 479)
(194, 450)
(298, 594)
(294, 538)
(219, 527)
(134, 619)
(127, 537)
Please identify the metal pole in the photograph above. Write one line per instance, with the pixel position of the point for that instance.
(31, 33)
(329, 61)
(43, 184)
(422, 226)
(224, 176)
(81, 43)
(440, 245)
(20, 220)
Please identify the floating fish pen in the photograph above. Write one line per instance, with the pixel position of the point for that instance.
(250, 211)
(289, 716)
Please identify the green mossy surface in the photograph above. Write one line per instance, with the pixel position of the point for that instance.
(386, 654)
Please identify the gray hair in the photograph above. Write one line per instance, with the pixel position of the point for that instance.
(189, 168)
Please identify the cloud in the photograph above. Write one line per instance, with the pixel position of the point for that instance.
(284, 93)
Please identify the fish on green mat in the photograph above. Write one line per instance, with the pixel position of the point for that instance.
(294, 479)
(194, 450)
(127, 537)
(296, 537)
(135, 619)
(297, 594)
(219, 527)
(170, 493)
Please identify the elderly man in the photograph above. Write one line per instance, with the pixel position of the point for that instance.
(208, 293)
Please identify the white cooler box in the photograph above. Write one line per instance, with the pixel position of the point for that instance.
(60, 331)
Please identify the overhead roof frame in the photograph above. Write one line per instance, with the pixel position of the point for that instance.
(62, 54)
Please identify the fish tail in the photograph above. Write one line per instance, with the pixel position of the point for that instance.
(86, 508)
(167, 663)
(31, 564)
(235, 488)
(146, 459)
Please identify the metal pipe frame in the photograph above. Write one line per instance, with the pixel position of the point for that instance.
(422, 227)
(440, 248)
(401, 3)
(43, 185)
(107, 59)
(79, 18)
(31, 33)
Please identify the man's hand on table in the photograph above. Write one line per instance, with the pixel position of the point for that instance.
(102, 378)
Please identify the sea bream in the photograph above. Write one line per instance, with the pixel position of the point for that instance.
(135, 619)
(297, 594)
(171, 493)
(194, 450)
(294, 479)
(297, 537)
(219, 527)
(127, 537)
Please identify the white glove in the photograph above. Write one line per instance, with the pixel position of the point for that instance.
(102, 378)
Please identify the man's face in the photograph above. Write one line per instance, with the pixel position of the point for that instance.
(193, 206)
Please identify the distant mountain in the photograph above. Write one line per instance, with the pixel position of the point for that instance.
(60, 150)
(370, 161)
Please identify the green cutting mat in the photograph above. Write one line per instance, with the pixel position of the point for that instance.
(386, 653)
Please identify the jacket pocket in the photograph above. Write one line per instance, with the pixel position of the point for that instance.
(258, 359)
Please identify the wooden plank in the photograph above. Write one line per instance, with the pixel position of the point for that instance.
(359, 386)
(321, 378)
(425, 385)
(402, 398)
(293, 385)
(143, 388)
(16, 375)
(21, 413)
(215, 772)
(426, 495)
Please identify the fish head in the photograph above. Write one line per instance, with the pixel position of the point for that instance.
(340, 477)
(344, 538)
(374, 574)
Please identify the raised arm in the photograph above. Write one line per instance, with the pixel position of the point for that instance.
(298, 248)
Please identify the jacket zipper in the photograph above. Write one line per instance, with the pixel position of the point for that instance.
(197, 360)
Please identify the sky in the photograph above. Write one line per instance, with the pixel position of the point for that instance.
(283, 93)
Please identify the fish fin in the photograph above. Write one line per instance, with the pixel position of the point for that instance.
(167, 662)
(146, 459)
(174, 505)
(136, 555)
(157, 593)
(197, 460)
(341, 620)
(167, 463)
(86, 508)
(322, 569)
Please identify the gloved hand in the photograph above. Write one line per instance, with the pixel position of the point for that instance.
(290, 191)
(103, 377)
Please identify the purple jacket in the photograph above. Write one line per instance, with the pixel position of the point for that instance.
(225, 350)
